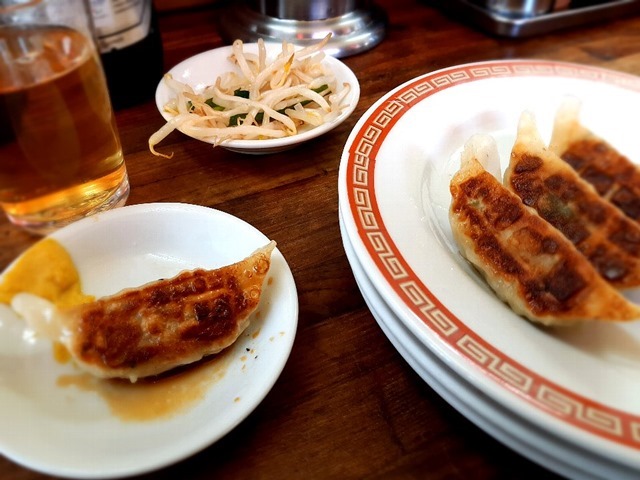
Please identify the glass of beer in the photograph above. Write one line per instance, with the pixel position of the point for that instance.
(60, 153)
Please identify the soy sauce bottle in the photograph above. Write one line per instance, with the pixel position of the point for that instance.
(130, 48)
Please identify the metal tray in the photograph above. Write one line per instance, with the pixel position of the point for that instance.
(524, 27)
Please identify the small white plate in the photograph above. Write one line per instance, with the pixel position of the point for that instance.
(59, 421)
(203, 69)
(579, 383)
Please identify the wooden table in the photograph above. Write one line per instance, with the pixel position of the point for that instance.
(346, 405)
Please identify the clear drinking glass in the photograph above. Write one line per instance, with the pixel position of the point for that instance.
(60, 153)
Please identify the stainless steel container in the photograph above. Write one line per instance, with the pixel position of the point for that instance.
(306, 10)
(525, 18)
(356, 25)
(518, 8)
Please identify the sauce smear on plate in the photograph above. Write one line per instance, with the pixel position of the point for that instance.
(157, 398)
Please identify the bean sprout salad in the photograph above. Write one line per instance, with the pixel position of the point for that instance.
(265, 99)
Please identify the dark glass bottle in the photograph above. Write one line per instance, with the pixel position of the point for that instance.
(130, 47)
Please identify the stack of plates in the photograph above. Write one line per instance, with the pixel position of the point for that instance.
(568, 399)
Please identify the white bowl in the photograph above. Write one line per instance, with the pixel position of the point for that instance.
(203, 69)
(72, 428)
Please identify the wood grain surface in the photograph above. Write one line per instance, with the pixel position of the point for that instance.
(346, 405)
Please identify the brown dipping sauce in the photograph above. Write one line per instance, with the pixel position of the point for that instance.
(154, 398)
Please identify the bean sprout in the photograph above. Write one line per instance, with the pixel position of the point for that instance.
(266, 99)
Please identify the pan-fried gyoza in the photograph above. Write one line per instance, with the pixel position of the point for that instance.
(600, 231)
(154, 328)
(527, 262)
(613, 175)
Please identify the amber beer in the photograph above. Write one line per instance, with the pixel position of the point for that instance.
(60, 154)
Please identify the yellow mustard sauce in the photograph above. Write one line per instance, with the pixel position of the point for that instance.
(47, 270)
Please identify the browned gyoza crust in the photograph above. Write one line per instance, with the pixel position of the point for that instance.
(607, 237)
(613, 175)
(151, 329)
(527, 262)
